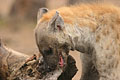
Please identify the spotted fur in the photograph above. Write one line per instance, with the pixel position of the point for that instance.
(93, 29)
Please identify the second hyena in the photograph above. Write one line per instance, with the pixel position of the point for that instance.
(92, 29)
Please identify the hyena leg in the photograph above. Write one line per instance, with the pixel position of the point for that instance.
(105, 78)
(108, 75)
(89, 72)
(107, 66)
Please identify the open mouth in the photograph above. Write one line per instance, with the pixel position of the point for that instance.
(61, 61)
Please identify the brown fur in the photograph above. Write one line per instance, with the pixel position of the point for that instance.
(93, 29)
(92, 12)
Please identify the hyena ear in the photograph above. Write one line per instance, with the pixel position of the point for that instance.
(40, 13)
(56, 23)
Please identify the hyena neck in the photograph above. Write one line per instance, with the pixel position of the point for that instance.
(83, 38)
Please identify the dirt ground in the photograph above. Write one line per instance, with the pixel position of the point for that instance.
(20, 36)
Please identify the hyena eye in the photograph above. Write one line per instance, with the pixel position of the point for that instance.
(48, 51)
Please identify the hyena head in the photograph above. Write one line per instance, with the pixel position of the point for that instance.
(53, 43)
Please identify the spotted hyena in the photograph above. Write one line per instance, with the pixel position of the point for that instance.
(92, 29)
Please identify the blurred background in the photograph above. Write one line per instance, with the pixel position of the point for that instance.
(18, 20)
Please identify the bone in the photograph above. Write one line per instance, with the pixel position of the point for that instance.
(13, 66)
